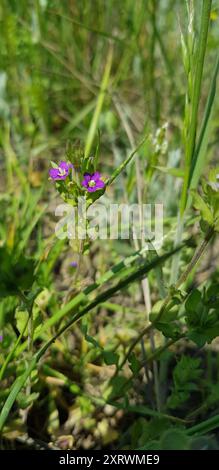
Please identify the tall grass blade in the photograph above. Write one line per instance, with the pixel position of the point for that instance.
(100, 100)
(199, 156)
(205, 18)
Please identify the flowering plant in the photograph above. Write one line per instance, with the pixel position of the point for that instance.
(77, 176)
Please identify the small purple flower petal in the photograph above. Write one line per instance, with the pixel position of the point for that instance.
(93, 182)
(100, 184)
(1, 338)
(63, 165)
(61, 172)
(73, 264)
(96, 176)
(87, 178)
(54, 173)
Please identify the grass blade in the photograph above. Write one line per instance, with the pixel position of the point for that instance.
(199, 157)
(118, 170)
(205, 18)
(100, 101)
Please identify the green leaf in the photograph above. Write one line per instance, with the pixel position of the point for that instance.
(26, 400)
(201, 206)
(174, 439)
(212, 296)
(186, 376)
(134, 363)
(110, 358)
(204, 335)
(169, 330)
(193, 301)
(89, 339)
(21, 318)
(177, 399)
(117, 387)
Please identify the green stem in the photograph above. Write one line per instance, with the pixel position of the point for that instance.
(205, 426)
(125, 163)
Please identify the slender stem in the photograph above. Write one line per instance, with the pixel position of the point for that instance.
(199, 252)
(81, 247)
(125, 163)
(175, 261)
(160, 350)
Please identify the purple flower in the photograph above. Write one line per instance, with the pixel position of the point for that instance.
(73, 264)
(92, 182)
(1, 338)
(61, 172)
